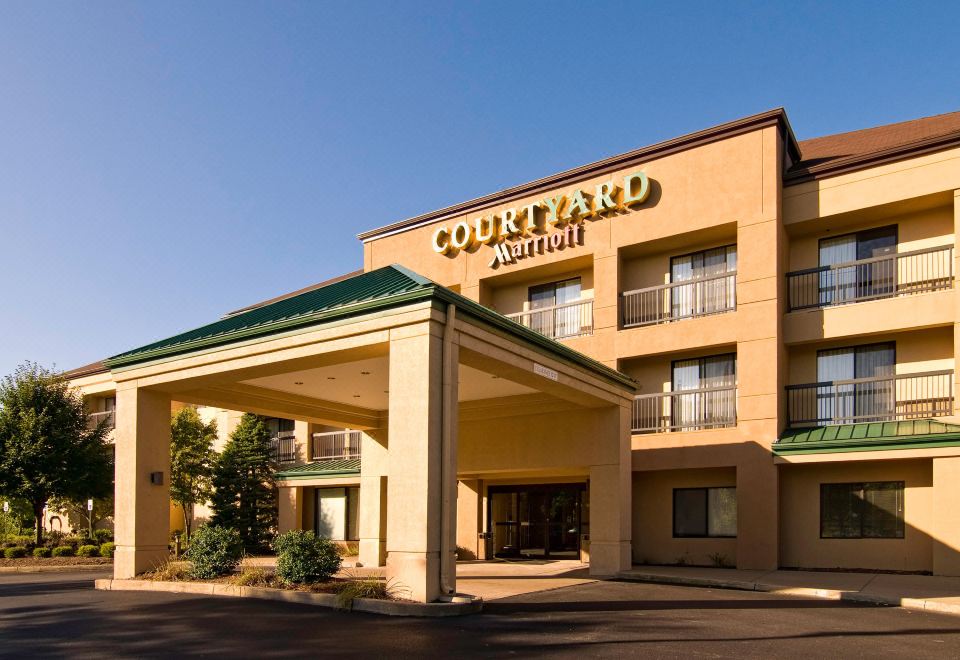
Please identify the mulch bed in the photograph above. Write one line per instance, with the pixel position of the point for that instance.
(55, 561)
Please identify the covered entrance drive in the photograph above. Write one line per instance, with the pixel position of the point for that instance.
(538, 521)
(445, 392)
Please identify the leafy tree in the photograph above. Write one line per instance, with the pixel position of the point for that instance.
(191, 462)
(46, 449)
(244, 496)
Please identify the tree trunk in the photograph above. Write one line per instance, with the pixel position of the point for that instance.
(188, 521)
(38, 517)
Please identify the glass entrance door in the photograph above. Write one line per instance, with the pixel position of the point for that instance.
(537, 521)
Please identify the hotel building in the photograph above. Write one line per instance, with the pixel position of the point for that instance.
(730, 348)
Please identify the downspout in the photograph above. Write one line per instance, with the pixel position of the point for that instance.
(446, 450)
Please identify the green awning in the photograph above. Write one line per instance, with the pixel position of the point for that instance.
(867, 436)
(331, 469)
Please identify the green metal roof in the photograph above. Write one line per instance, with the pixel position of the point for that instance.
(866, 436)
(377, 290)
(321, 469)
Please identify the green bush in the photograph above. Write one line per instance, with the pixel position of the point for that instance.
(304, 558)
(102, 536)
(214, 551)
(63, 551)
(88, 551)
(15, 552)
(25, 541)
(41, 552)
(73, 541)
(107, 549)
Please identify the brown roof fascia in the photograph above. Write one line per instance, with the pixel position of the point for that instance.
(777, 116)
(872, 159)
(86, 370)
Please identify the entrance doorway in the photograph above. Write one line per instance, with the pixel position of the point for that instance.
(543, 521)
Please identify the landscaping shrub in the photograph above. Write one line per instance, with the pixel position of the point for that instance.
(24, 541)
(73, 541)
(63, 551)
(107, 549)
(214, 551)
(42, 552)
(304, 558)
(88, 551)
(53, 539)
(16, 552)
(102, 536)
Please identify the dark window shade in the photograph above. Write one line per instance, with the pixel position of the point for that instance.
(862, 510)
(705, 512)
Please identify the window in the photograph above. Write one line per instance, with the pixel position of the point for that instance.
(862, 281)
(556, 320)
(336, 513)
(699, 298)
(848, 402)
(705, 512)
(871, 510)
(712, 400)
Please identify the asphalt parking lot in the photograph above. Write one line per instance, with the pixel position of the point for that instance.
(61, 615)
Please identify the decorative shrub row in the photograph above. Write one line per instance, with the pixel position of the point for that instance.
(42, 552)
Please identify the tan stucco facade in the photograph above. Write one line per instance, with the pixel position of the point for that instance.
(460, 413)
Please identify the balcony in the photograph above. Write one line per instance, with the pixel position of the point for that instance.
(108, 416)
(680, 300)
(572, 319)
(685, 410)
(888, 276)
(285, 448)
(878, 399)
(336, 445)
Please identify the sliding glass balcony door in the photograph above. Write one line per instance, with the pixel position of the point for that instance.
(707, 293)
(858, 281)
(710, 382)
(873, 398)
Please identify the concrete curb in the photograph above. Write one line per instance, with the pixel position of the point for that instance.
(373, 606)
(56, 569)
(807, 592)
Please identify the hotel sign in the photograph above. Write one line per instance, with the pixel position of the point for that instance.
(552, 223)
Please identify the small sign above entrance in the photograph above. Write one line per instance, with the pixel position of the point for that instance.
(546, 372)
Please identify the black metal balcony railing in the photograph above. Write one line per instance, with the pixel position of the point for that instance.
(889, 276)
(572, 319)
(685, 410)
(285, 448)
(336, 444)
(95, 418)
(680, 300)
(885, 398)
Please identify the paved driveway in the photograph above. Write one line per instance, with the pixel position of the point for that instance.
(60, 615)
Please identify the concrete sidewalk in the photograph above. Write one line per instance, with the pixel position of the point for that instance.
(919, 592)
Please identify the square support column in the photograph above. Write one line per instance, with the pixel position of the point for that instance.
(418, 465)
(946, 516)
(611, 496)
(469, 519)
(142, 520)
(757, 513)
(290, 508)
(373, 498)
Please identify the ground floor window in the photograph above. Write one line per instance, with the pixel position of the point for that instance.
(336, 513)
(705, 512)
(869, 510)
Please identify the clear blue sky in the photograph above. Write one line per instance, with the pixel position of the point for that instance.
(163, 163)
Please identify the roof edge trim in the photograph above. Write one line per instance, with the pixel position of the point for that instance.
(777, 116)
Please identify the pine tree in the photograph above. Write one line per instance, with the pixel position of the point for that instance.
(244, 495)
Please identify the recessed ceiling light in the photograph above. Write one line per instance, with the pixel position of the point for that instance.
(356, 396)
(494, 377)
(331, 377)
(386, 391)
(299, 382)
(364, 373)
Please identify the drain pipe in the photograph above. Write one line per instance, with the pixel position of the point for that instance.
(447, 491)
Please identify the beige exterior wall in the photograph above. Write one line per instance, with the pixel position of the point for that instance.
(654, 542)
(800, 542)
